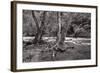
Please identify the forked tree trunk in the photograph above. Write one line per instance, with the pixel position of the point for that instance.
(60, 45)
(39, 33)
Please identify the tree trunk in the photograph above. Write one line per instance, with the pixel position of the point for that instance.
(61, 33)
(60, 45)
(39, 34)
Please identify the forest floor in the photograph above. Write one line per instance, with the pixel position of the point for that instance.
(39, 53)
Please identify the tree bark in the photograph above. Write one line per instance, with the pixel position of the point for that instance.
(39, 34)
(61, 33)
(60, 45)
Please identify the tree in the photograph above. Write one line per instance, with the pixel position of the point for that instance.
(61, 35)
(40, 27)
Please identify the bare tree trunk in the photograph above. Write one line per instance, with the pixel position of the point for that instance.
(39, 34)
(60, 38)
(61, 33)
(60, 44)
(60, 25)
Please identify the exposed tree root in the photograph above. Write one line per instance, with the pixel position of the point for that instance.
(57, 48)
